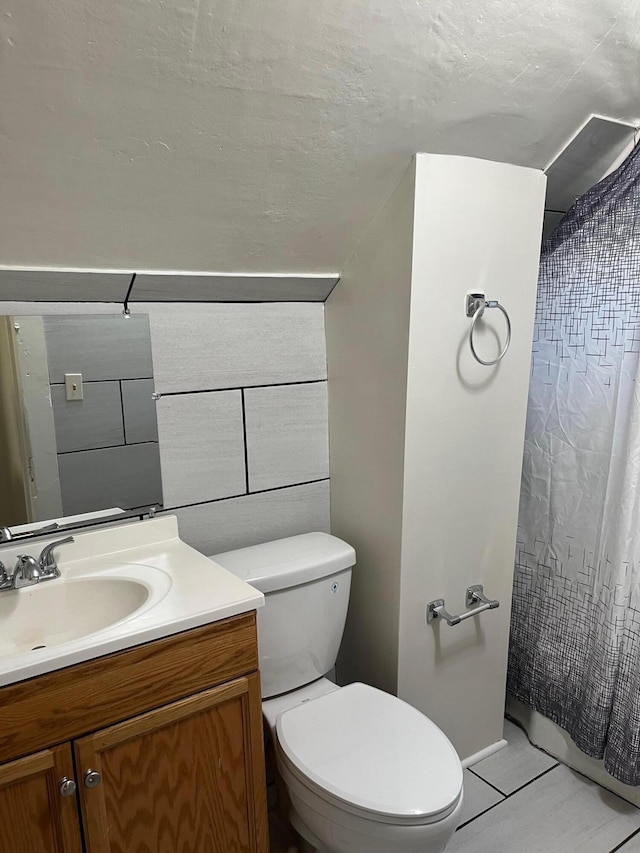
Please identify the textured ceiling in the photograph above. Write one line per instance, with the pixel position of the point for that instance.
(262, 135)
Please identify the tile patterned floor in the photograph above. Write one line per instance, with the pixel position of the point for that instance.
(520, 800)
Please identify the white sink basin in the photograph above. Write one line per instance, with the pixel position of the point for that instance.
(120, 587)
(59, 611)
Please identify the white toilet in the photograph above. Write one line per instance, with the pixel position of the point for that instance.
(366, 773)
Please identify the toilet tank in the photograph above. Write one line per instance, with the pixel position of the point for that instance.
(306, 581)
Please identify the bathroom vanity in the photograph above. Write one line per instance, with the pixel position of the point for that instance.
(155, 745)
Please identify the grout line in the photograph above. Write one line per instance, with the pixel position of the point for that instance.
(524, 785)
(244, 439)
(244, 495)
(535, 779)
(240, 387)
(125, 306)
(106, 447)
(475, 817)
(505, 797)
(124, 423)
(622, 843)
(490, 784)
(99, 381)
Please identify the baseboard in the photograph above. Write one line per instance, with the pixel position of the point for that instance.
(484, 753)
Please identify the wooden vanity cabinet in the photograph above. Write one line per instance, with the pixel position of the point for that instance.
(173, 779)
(34, 816)
(169, 760)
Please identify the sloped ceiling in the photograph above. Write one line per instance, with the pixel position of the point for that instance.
(262, 135)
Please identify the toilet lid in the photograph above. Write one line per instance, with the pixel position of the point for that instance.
(373, 751)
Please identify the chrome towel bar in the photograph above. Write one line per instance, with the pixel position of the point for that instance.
(475, 595)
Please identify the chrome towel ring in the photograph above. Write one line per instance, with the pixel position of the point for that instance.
(476, 304)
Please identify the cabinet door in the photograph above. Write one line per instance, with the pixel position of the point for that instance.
(34, 816)
(186, 778)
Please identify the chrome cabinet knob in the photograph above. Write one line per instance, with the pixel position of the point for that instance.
(92, 778)
(67, 787)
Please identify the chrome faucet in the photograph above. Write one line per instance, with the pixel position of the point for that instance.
(6, 580)
(47, 561)
(26, 572)
(29, 571)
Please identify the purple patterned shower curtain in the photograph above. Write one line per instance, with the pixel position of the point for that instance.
(575, 629)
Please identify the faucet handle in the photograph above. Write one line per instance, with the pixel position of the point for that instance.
(27, 567)
(26, 572)
(47, 561)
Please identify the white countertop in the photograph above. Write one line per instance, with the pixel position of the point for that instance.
(185, 590)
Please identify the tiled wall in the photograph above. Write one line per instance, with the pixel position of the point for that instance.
(242, 419)
(242, 416)
(107, 442)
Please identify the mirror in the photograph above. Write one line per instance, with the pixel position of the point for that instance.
(78, 429)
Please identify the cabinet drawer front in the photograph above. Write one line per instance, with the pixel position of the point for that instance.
(62, 705)
(34, 814)
(180, 778)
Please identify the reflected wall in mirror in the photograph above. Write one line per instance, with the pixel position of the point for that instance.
(78, 430)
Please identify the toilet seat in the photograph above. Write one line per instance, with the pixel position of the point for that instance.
(372, 755)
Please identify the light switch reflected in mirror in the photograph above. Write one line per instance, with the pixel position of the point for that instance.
(78, 429)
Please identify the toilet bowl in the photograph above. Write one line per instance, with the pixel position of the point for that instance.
(365, 771)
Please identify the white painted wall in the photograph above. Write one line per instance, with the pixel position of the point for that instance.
(367, 328)
(477, 226)
(262, 136)
(426, 445)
